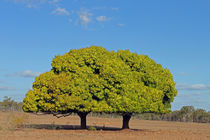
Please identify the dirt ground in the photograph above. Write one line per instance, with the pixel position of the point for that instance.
(47, 127)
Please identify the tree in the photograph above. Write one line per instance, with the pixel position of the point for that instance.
(10, 105)
(201, 116)
(187, 113)
(72, 86)
(138, 85)
(96, 80)
(7, 104)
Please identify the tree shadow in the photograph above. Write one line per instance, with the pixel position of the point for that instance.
(74, 127)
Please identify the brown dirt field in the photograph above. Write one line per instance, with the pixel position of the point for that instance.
(43, 128)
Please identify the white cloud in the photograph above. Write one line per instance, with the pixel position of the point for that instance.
(30, 3)
(121, 25)
(196, 98)
(36, 3)
(85, 17)
(6, 88)
(31, 6)
(100, 8)
(192, 87)
(102, 18)
(55, 1)
(82, 16)
(60, 11)
(26, 73)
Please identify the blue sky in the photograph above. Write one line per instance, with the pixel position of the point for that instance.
(174, 33)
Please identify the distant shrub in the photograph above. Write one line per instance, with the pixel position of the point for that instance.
(17, 121)
(92, 128)
(10, 105)
(186, 114)
(1, 128)
(53, 126)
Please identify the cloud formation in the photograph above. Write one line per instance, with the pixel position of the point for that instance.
(115, 8)
(77, 15)
(60, 11)
(121, 25)
(6, 88)
(192, 87)
(85, 17)
(55, 1)
(30, 3)
(26, 73)
(102, 18)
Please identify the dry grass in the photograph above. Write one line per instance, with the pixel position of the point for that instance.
(47, 127)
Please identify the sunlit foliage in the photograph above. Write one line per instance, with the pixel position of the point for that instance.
(96, 80)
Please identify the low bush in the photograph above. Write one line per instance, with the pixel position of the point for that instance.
(17, 121)
(92, 128)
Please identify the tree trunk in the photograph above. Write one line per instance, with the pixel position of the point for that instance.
(83, 116)
(126, 119)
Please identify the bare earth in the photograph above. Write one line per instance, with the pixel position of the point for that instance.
(47, 127)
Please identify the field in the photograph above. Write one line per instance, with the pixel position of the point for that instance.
(47, 127)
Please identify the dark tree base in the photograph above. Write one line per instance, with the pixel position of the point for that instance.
(83, 116)
(126, 119)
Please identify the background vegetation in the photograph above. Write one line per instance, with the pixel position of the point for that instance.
(185, 114)
(10, 105)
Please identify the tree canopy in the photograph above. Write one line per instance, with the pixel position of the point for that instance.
(94, 79)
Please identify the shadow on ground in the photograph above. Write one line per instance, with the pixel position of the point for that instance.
(72, 127)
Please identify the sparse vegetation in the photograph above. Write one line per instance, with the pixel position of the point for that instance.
(53, 126)
(17, 121)
(140, 129)
(186, 114)
(92, 128)
(10, 105)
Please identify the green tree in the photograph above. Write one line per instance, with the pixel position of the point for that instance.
(201, 116)
(186, 113)
(138, 85)
(10, 105)
(7, 104)
(72, 86)
(96, 80)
